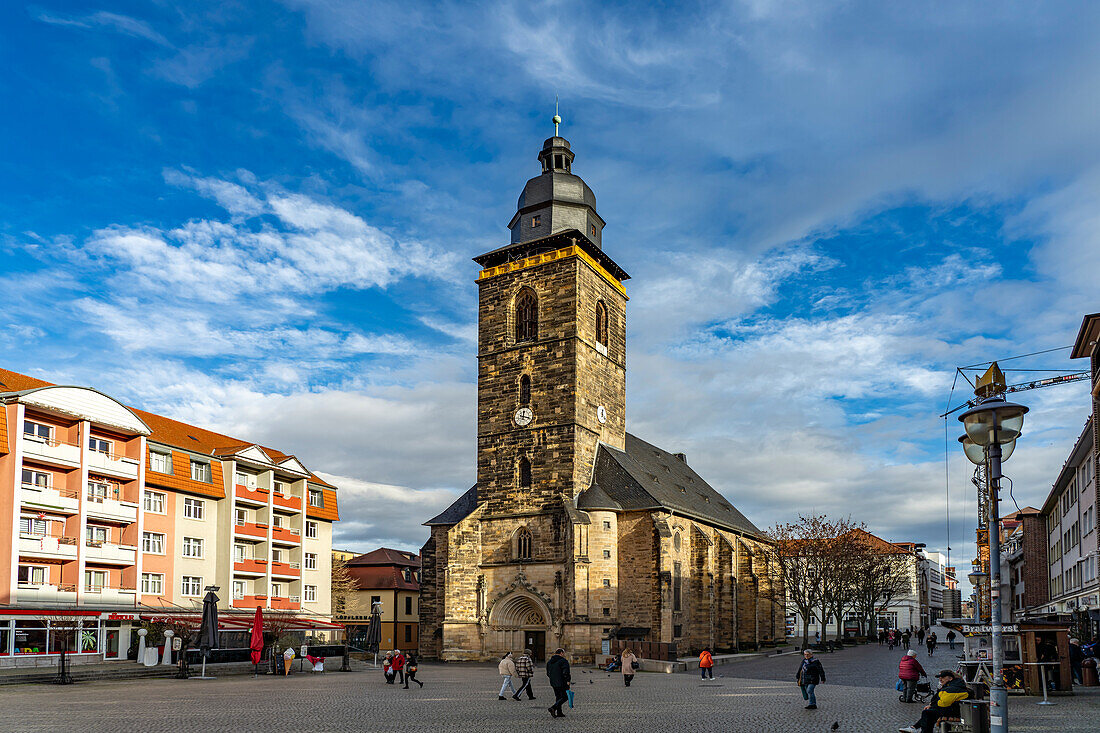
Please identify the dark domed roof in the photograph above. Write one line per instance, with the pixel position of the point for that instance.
(556, 200)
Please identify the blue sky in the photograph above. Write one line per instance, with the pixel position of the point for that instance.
(259, 217)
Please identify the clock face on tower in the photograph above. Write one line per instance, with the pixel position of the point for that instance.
(523, 416)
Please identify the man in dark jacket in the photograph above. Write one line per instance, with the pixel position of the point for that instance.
(945, 703)
(557, 669)
(1076, 657)
(810, 675)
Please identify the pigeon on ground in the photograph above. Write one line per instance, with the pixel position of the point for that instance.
(835, 725)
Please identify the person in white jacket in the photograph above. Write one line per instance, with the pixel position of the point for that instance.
(507, 670)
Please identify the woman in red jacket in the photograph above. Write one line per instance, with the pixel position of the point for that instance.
(909, 671)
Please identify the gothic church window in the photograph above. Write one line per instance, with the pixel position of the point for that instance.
(524, 473)
(523, 544)
(677, 585)
(527, 316)
(525, 390)
(601, 323)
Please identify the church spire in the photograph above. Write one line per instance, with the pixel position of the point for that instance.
(557, 117)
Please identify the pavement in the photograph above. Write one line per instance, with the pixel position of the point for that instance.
(755, 695)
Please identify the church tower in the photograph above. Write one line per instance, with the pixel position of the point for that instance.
(551, 346)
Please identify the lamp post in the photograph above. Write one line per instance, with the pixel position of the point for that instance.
(977, 579)
(991, 424)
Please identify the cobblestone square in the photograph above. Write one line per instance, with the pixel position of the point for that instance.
(751, 695)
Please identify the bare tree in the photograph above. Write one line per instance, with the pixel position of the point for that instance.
(65, 637)
(795, 551)
(841, 548)
(343, 586)
(883, 571)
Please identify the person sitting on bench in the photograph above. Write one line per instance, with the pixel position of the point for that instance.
(945, 703)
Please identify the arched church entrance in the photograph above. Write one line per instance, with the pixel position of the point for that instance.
(519, 621)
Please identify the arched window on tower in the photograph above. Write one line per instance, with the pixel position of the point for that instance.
(524, 473)
(525, 390)
(523, 544)
(527, 316)
(601, 323)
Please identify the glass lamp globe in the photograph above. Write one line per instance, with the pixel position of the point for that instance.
(994, 421)
(976, 453)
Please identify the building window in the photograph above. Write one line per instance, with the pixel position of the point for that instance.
(606, 611)
(525, 390)
(37, 432)
(191, 585)
(154, 501)
(97, 491)
(193, 508)
(277, 521)
(677, 586)
(38, 479)
(95, 536)
(374, 600)
(527, 316)
(152, 542)
(408, 575)
(601, 323)
(238, 589)
(99, 445)
(592, 230)
(200, 471)
(276, 590)
(152, 583)
(607, 525)
(32, 526)
(677, 631)
(536, 221)
(408, 632)
(240, 516)
(607, 582)
(524, 473)
(32, 575)
(408, 605)
(310, 593)
(95, 580)
(311, 530)
(192, 547)
(241, 553)
(316, 498)
(311, 561)
(523, 544)
(276, 555)
(160, 462)
(607, 554)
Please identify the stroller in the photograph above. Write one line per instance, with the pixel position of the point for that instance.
(923, 692)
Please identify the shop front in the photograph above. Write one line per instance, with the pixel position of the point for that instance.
(34, 638)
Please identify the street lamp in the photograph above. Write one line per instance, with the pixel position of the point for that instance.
(977, 578)
(977, 454)
(991, 424)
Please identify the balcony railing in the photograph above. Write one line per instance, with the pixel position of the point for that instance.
(114, 465)
(66, 501)
(255, 494)
(52, 546)
(55, 452)
(109, 552)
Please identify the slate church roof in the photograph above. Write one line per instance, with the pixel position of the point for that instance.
(647, 477)
(643, 477)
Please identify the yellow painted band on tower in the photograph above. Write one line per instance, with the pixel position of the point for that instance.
(559, 254)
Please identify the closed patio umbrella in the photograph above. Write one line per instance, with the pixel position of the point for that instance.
(208, 630)
(256, 642)
(374, 632)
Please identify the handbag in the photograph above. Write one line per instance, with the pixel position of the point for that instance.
(634, 665)
(900, 686)
(569, 694)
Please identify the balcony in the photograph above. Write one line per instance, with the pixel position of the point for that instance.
(110, 596)
(286, 569)
(112, 465)
(53, 452)
(41, 498)
(288, 604)
(56, 548)
(287, 502)
(109, 553)
(250, 494)
(286, 535)
(250, 529)
(249, 601)
(256, 566)
(111, 507)
(60, 594)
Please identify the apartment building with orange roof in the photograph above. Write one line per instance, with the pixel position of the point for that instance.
(115, 514)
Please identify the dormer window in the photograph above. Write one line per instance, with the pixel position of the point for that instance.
(536, 221)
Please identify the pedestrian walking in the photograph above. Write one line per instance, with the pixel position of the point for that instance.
(507, 670)
(920, 635)
(629, 665)
(951, 639)
(557, 669)
(706, 664)
(892, 638)
(909, 672)
(810, 675)
(387, 668)
(525, 668)
(410, 670)
(1076, 658)
(399, 665)
(905, 637)
(932, 643)
(881, 636)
